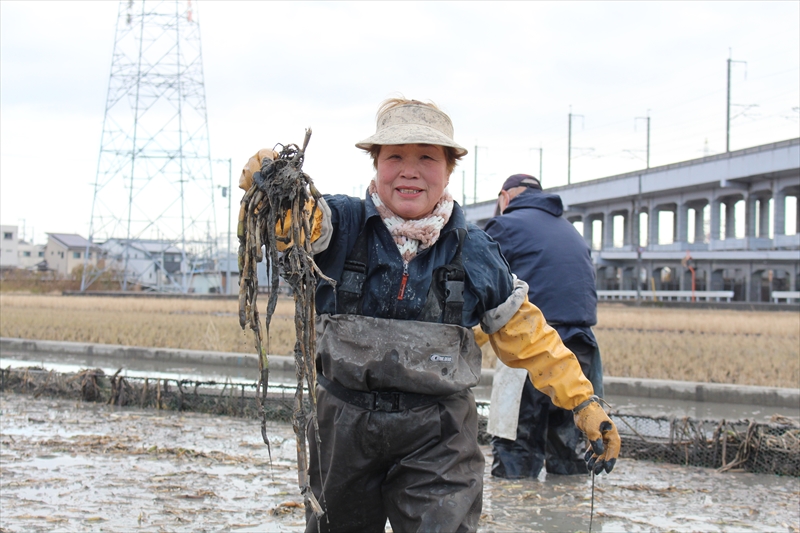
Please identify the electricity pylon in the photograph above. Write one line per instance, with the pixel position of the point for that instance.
(153, 192)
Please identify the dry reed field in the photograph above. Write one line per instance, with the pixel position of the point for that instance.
(722, 346)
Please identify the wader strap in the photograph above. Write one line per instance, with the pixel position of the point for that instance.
(351, 288)
(445, 301)
(454, 286)
(389, 402)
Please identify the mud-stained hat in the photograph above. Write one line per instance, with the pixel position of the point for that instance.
(413, 124)
(521, 180)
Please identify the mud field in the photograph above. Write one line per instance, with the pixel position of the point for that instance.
(67, 466)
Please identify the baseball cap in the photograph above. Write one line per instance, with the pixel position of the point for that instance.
(521, 180)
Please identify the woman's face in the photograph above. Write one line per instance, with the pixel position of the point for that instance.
(411, 178)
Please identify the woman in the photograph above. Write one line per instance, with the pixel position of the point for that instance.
(396, 354)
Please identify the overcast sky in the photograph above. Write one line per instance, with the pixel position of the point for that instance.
(508, 75)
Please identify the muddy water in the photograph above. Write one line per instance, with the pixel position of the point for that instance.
(67, 466)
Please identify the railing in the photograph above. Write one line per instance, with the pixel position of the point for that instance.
(675, 296)
(777, 296)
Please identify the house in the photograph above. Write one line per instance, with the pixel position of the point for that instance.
(31, 256)
(150, 264)
(8, 247)
(65, 251)
(228, 267)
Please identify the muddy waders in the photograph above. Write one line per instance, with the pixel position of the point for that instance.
(408, 453)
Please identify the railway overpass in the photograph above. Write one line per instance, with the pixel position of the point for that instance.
(721, 220)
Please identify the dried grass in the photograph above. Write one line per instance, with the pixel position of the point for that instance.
(718, 346)
(151, 322)
(742, 347)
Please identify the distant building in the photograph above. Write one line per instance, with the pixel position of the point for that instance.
(8, 247)
(65, 251)
(229, 265)
(150, 264)
(31, 256)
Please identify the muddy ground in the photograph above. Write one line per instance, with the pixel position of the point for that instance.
(67, 466)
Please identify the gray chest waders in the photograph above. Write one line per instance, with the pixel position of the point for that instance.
(389, 364)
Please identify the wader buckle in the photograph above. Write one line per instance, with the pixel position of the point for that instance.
(353, 277)
(454, 292)
(386, 401)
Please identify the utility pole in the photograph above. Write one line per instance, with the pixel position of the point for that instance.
(227, 191)
(475, 185)
(638, 242)
(463, 187)
(728, 110)
(540, 164)
(569, 146)
(540, 161)
(228, 258)
(647, 118)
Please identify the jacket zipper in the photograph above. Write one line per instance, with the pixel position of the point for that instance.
(403, 281)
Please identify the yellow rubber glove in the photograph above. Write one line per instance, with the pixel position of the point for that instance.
(316, 226)
(602, 434)
(526, 341)
(254, 165)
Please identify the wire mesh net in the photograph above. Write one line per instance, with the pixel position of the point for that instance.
(742, 445)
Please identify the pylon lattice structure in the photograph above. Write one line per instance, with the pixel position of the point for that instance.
(153, 213)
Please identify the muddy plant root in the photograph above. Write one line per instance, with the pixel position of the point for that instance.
(274, 218)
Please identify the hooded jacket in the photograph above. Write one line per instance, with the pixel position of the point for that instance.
(546, 251)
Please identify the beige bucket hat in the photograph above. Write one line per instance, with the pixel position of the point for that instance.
(413, 124)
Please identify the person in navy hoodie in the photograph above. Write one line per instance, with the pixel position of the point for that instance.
(546, 251)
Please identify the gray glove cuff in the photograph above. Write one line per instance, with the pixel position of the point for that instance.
(584, 405)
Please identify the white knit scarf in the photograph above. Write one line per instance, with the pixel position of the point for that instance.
(413, 236)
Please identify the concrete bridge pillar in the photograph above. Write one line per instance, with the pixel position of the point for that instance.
(730, 219)
(699, 224)
(717, 281)
(628, 281)
(704, 277)
(715, 218)
(763, 217)
(608, 231)
(588, 231)
(750, 216)
(627, 218)
(652, 230)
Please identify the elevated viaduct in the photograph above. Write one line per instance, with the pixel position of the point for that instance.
(722, 216)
